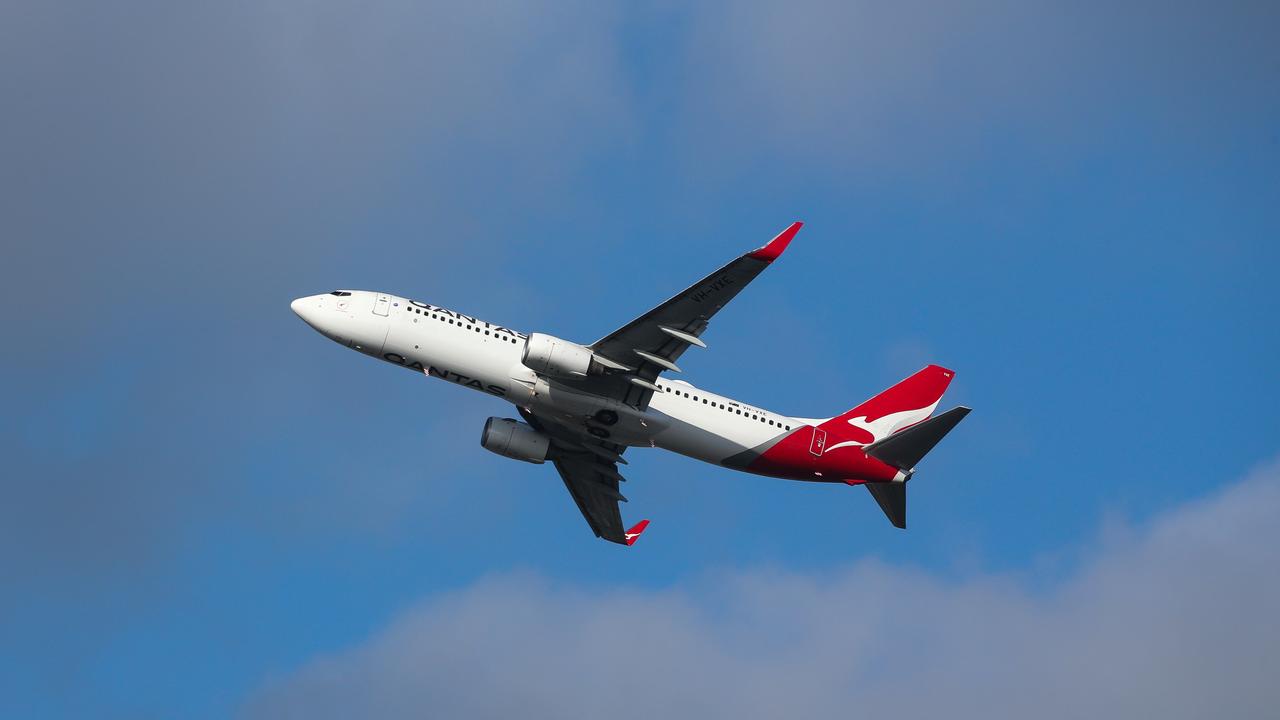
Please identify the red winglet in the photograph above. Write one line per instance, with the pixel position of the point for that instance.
(634, 533)
(770, 252)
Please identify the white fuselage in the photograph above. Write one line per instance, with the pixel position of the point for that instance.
(470, 352)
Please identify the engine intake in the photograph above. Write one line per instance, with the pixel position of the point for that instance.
(514, 439)
(547, 355)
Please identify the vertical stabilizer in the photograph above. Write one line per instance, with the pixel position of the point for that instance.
(901, 406)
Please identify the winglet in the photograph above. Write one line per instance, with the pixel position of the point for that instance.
(634, 533)
(774, 249)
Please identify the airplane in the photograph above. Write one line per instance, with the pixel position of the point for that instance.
(583, 406)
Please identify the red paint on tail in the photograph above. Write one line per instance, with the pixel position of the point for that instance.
(832, 451)
(865, 423)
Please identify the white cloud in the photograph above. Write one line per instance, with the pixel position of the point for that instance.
(1172, 619)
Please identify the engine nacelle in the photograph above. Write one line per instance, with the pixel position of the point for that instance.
(514, 439)
(547, 355)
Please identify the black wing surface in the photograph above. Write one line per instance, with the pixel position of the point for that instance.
(645, 347)
(589, 468)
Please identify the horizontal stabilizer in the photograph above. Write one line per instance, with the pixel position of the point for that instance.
(904, 448)
(892, 497)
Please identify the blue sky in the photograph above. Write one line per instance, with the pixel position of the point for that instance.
(212, 511)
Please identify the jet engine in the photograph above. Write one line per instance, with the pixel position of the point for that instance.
(547, 355)
(514, 439)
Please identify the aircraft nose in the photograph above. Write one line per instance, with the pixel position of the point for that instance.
(306, 308)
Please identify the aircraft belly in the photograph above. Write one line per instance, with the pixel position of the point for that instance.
(602, 417)
(696, 442)
(708, 434)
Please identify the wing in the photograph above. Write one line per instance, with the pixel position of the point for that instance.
(589, 469)
(640, 350)
(596, 494)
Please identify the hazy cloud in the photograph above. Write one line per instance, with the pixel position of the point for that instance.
(152, 147)
(1171, 619)
(866, 88)
(173, 176)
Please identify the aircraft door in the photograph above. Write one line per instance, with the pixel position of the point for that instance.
(382, 304)
(819, 441)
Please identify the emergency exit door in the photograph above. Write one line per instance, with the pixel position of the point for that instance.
(819, 441)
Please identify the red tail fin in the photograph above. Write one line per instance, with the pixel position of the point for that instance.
(634, 533)
(907, 403)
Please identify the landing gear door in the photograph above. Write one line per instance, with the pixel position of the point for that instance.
(819, 441)
(382, 304)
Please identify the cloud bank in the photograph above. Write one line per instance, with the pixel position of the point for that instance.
(1171, 619)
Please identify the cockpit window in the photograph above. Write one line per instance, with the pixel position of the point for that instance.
(340, 293)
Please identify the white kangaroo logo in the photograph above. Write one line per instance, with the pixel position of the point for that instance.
(885, 426)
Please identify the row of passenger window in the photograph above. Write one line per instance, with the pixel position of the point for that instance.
(459, 323)
(722, 406)
(695, 398)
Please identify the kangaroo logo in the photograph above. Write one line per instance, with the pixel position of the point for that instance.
(883, 427)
